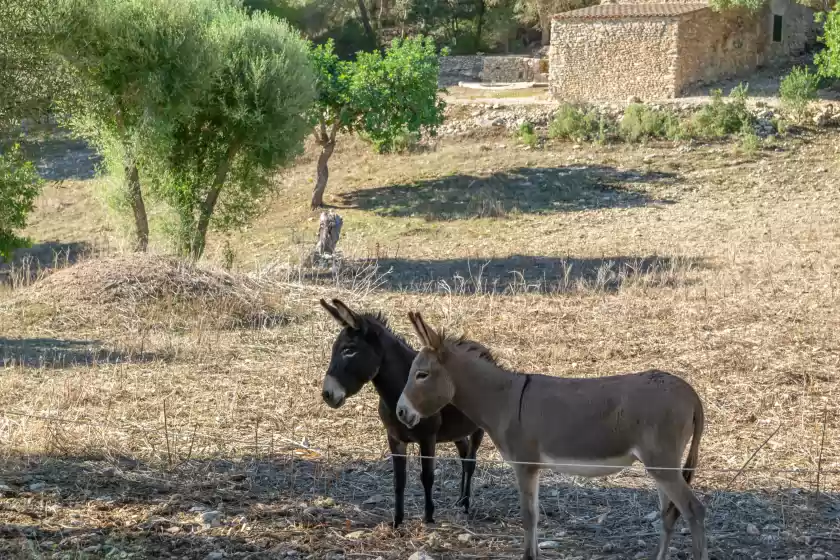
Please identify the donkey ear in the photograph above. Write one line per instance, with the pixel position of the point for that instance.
(347, 316)
(334, 312)
(421, 334)
(430, 336)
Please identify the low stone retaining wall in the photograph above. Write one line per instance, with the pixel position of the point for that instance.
(489, 69)
(462, 119)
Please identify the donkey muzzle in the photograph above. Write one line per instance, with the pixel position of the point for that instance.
(333, 393)
(406, 412)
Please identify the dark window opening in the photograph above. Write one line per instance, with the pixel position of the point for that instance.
(777, 29)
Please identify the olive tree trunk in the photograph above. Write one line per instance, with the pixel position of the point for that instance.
(138, 207)
(132, 186)
(208, 205)
(327, 142)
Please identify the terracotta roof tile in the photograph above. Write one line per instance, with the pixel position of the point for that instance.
(634, 11)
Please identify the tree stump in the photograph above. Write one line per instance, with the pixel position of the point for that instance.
(329, 230)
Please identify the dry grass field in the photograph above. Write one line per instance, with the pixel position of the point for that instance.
(155, 409)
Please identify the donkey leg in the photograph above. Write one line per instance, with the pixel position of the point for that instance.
(689, 506)
(528, 480)
(463, 446)
(427, 476)
(399, 463)
(669, 515)
(469, 466)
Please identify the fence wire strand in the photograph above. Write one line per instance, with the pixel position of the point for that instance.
(304, 445)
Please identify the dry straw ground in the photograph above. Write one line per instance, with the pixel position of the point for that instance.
(152, 409)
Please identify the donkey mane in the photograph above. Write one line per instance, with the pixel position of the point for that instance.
(466, 345)
(379, 319)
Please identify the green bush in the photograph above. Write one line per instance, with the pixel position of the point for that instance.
(797, 90)
(576, 123)
(722, 117)
(641, 122)
(750, 143)
(406, 141)
(527, 135)
(828, 59)
(19, 186)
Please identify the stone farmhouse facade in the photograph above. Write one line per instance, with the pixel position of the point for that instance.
(634, 48)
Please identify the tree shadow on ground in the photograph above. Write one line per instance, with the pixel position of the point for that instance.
(270, 507)
(56, 153)
(54, 353)
(526, 273)
(29, 263)
(527, 190)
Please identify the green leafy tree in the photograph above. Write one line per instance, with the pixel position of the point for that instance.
(19, 186)
(828, 60)
(217, 162)
(383, 97)
(139, 64)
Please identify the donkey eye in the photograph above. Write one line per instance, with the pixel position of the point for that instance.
(421, 375)
(348, 352)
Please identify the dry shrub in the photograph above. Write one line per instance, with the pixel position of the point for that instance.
(150, 290)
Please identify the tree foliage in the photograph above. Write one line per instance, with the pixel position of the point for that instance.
(19, 186)
(380, 96)
(29, 77)
(828, 60)
(250, 118)
(139, 65)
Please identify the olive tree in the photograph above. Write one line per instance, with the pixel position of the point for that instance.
(138, 65)
(216, 163)
(381, 96)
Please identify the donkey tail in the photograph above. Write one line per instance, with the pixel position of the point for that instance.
(692, 459)
(694, 451)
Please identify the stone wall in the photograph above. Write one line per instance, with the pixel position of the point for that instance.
(454, 69)
(798, 30)
(712, 46)
(488, 68)
(613, 59)
(510, 69)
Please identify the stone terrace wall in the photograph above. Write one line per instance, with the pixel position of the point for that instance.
(510, 69)
(613, 59)
(713, 46)
(454, 69)
(488, 68)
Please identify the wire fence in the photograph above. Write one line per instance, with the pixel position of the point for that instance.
(304, 447)
(577, 515)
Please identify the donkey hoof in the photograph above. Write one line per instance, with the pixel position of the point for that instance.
(397, 522)
(429, 520)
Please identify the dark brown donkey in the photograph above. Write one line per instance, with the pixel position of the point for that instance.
(367, 350)
(584, 427)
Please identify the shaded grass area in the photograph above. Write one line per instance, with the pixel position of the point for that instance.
(54, 353)
(529, 273)
(525, 190)
(269, 507)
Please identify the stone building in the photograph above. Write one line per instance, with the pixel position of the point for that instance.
(615, 51)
